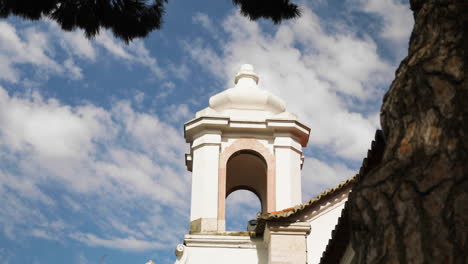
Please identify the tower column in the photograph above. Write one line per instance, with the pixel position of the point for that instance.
(204, 206)
(288, 153)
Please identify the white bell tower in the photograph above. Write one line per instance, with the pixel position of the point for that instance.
(244, 139)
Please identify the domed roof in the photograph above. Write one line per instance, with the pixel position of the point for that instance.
(245, 108)
(246, 100)
(246, 95)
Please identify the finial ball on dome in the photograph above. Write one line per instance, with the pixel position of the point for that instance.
(246, 70)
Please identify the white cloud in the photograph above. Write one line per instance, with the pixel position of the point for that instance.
(205, 21)
(74, 42)
(121, 157)
(241, 206)
(26, 47)
(397, 21)
(180, 71)
(166, 89)
(321, 75)
(106, 40)
(139, 97)
(396, 15)
(75, 71)
(71, 203)
(39, 233)
(16, 215)
(83, 260)
(107, 163)
(50, 230)
(243, 198)
(318, 176)
(178, 113)
(129, 243)
(135, 52)
(25, 188)
(205, 56)
(42, 47)
(48, 128)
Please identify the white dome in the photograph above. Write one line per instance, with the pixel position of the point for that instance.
(246, 95)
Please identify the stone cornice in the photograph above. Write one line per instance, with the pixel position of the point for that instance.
(226, 124)
(237, 240)
(287, 228)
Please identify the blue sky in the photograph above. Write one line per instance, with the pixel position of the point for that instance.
(91, 132)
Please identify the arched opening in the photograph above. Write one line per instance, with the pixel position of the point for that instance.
(241, 206)
(247, 170)
(246, 187)
(248, 165)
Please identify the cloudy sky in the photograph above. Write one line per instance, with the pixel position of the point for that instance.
(91, 132)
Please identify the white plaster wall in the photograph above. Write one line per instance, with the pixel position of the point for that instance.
(288, 181)
(295, 174)
(204, 255)
(320, 232)
(204, 202)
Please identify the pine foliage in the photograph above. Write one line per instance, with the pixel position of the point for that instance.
(276, 10)
(127, 19)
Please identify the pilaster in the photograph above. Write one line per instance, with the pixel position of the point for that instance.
(286, 242)
(288, 153)
(205, 151)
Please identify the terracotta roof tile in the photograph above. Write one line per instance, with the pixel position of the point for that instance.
(293, 210)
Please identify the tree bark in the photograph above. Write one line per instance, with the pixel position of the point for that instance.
(413, 207)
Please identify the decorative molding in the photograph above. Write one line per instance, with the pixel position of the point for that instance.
(288, 228)
(225, 240)
(179, 250)
(226, 124)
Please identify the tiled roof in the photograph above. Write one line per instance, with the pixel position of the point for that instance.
(298, 208)
(262, 218)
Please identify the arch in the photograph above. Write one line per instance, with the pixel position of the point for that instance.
(247, 169)
(248, 201)
(247, 147)
(246, 188)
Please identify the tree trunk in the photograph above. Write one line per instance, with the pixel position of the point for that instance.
(413, 207)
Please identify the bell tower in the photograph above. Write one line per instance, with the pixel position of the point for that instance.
(244, 139)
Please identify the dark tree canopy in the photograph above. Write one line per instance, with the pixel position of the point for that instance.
(127, 19)
(276, 10)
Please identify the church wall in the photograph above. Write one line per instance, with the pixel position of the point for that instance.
(198, 255)
(322, 226)
(227, 248)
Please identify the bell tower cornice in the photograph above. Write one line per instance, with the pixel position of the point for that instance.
(225, 125)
